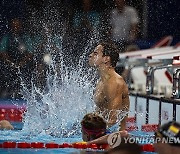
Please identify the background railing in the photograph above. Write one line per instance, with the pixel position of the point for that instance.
(153, 110)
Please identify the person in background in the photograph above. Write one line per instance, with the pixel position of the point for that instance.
(167, 138)
(85, 24)
(16, 56)
(93, 126)
(5, 125)
(124, 24)
(111, 95)
(87, 19)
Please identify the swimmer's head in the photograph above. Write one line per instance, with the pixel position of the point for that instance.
(93, 126)
(104, 53)
(5, 125)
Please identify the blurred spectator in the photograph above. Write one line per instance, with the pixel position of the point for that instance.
(132, 47)
(86, 22)
(16, 58)
(124, 24)
(86, 19)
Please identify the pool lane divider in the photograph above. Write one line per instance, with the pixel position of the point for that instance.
(131, 126)
(78, 145)
(16, 115)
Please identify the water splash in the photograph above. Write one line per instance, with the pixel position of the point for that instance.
(66, 98)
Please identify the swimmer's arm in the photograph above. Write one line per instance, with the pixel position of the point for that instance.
(103, 139)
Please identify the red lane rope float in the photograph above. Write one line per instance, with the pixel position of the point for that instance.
(38, 145)
(2, 116)
(23, 145)
(67, 145)
(131, 128)
(9, 145)
(131, 124)
(51, 145)
(78, 145)
(148, 148)
(149, 127)
(11, 114)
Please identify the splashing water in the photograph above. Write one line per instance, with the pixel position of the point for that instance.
(66, 99)
(68, 93)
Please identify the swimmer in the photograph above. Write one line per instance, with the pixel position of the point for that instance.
(111, 94)
(5, 125)
(167, 138)
(93, 126)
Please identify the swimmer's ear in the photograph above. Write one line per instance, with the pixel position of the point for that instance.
(106, 59)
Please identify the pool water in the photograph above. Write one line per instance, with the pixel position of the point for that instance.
(20, 136)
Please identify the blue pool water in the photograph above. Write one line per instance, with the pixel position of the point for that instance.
(20, 136)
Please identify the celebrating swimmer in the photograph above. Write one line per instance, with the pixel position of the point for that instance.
(111, 94)
(93, 126)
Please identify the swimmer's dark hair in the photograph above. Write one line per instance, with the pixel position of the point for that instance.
(93, 121)
(110, 49)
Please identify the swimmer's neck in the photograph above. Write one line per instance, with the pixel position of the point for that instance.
(106, 73)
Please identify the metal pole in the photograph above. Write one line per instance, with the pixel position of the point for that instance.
(176, 81)
(160, 107)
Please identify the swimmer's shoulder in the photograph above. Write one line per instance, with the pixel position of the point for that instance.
(120, 80)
